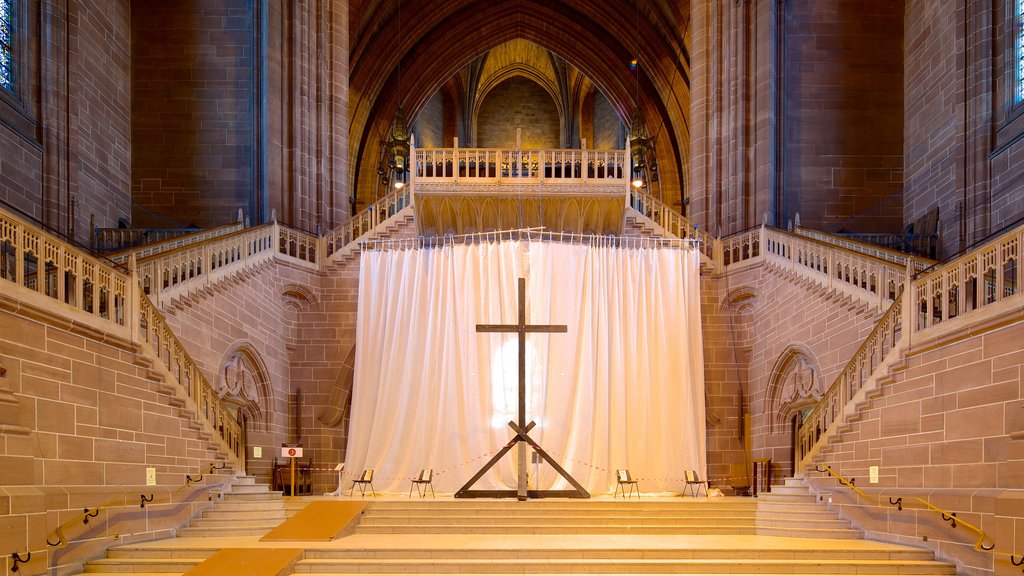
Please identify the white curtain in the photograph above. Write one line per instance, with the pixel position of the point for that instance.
(624, 388)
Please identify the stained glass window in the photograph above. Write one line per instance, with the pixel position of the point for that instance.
(7, 44)
(1018, 50)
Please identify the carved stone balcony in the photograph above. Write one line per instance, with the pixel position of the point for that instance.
(465, 190)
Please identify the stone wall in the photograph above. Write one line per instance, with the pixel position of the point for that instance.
(194, 123)
(962, 125)
(87, 416)
(518, 103)
(429, 124)
(947, 426)
(65, 133)
(777, 344)
(842, 127)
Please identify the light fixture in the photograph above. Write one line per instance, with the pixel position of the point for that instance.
(395, 152)
(641, 150)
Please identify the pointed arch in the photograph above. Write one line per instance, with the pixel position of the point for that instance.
(794, 384)
(243, 382)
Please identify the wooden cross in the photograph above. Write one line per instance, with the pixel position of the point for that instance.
(520, 427)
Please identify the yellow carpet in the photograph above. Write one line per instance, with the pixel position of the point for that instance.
(317, 522)
(248, 562)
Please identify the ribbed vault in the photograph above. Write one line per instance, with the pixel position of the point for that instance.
(401, 57)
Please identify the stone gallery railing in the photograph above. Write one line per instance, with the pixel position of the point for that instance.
(866, 278)
(487, 165)
(834, 404)
(982, 277)
(673, 223)
(187, 269)
(156, 334)
(983, 281)
(366, 220)
(896, 257)
(45, 264)
(153, 248)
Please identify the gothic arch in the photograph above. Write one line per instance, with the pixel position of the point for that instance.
(742, 300)
(300, 299)
(243, 382)
(794, 384)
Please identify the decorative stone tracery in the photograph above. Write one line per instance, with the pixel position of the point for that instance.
(795, 384)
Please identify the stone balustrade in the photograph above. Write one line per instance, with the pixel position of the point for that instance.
(985, 276)
(154, 248)
(496, 166)
(156, 334)
(190, 268)
(673, 223)
(976, 286)
(44, 264)
(366, 220)
(896, 257)
(862, 277)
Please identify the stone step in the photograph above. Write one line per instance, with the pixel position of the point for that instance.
(253, 496)
(489, 506)
(819, 513)
(559, 520)
(786, 490)
(797, 532)
(221, 532)
(247, 523)
(249, 505)
(582, 566)
(793, 481)
(218, 513)
(533, 512)
(705, 529)
(149, 550)
(766, 552)
(787, 506)
(137, 565)
(818, 523)
(795, 498)
(250, 489)
(244, 481)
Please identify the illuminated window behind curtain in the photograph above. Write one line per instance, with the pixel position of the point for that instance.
(7, 44)
(1018, 50)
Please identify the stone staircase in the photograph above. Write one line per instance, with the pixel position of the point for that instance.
(249, 509)
(682, 516)
(677, 536)
(793, 510)
(401, 225)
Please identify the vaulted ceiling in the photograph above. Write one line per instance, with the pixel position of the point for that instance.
(404, 50)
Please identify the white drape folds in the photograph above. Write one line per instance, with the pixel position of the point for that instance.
(624, 388)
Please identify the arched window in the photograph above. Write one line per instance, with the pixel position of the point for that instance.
(7, 31)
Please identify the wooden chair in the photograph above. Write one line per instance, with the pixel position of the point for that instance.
(694, 483)
(626, 480)
(422, 481)
(362, 482)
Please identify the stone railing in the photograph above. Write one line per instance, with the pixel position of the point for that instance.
(487, 165)
(366, 220)
(868, 279)
(154, 333)
(300, 245)
(40, 265)
(44, 264)
(673, 222)
(152, 248)
(894, 256)
(193, 267)
(873, 352)
(983, 277)
(982, 283)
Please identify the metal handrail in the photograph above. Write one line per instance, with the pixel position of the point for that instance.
(984, 543)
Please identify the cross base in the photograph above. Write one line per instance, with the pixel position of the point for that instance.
(522, 435)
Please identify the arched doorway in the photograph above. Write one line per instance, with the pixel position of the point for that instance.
(794, 388)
